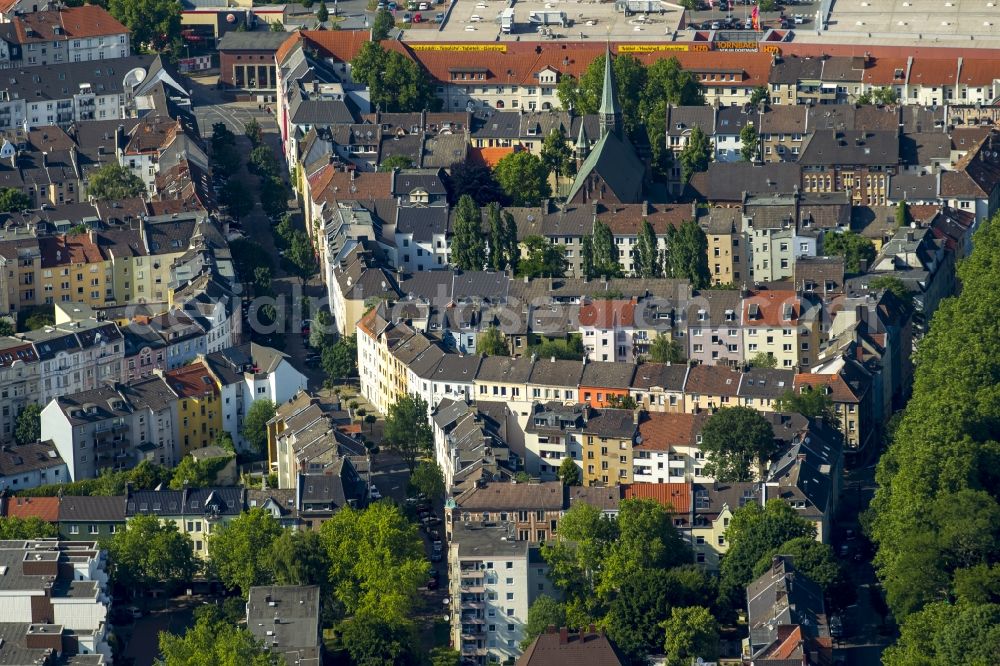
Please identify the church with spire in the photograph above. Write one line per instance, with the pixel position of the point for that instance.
(611, 170)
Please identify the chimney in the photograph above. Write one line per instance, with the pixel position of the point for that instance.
(563, 636)
(635, 421)
(551, 629)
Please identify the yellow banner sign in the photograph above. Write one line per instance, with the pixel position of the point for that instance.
(735, 46)
(770, 48)
(498, 48)
(650, 48)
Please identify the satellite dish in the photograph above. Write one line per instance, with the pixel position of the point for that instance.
(134, 77)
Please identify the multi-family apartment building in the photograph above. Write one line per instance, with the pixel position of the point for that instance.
(61, 35)
(783, 325)
(493, 580)
(196, 512)
(608, 439)
(112, 429)
(76, 356)
(19, 382)
(728, 248)
(198, 405)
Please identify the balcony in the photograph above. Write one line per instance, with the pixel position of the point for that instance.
(473, 605)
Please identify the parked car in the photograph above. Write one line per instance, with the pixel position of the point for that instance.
(714, 25)
(439, 17)
(432, 584)
(836, 626)
(373, 493)
(436, 556)
(799, 19)
(435, 573)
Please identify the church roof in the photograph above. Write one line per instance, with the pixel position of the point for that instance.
(614, 160)
(609, 96)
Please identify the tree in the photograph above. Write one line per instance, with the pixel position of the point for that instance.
(665, 350)
(443, 656)
(691, 633)
(882, 96)
(543, 613)
(894, 285)
(696, 155)
(753, 532)
(477, 181)
(503, 251)
(647, 252)
(569, 472)
(605, 253)
(647, 539)
(196, 474)
(340, 360)
(763, 360)
(812, 558)
(492, 342)
(16, 528)
(113, 181)
(853, 247)
(240, 550)
(148, 552)
(225, 441)
(565, 350)
(377, 561)
(738, 442)
(273, 195)
(262, 280)
(759, 96)
(6, 328)
(373, 641)
(322, 14)
(237, 198)
(556, 154)
(298, 558)
(12, 200)
(687, 254)
(768, 5)
(395, 162)
(28, 427)
(407, 430)
(902, 213)
(262, 162)
(254, 429)
(396, 83)
(523, 177)
(154, 24)
(276, 26)
(544, 259)
(382, 25)
(253, 130)
(428, 479)
(302, 257)
(216, 642)
(809, 403)
(749, 143)
(319, 330)
(666, 83)
(468, 247)
(946, 633)
(575, 560)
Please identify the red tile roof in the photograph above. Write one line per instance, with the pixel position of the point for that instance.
(713, 380)
(76, 22)
(980, 73)
(769, 308)
(364, 185)
(882, 71)
(46, 508)
(627, 219)
(607, 314)
(490, 156)
(64, 250)
(191, 381)
(662, 430)
(341, 45)
(675, 495)
(933, 71)
(836, 387)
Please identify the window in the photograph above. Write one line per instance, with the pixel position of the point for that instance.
(92, 529)
(74, 529)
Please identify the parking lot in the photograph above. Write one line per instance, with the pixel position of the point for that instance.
(478, 20)
(736, 15)
(960, 19)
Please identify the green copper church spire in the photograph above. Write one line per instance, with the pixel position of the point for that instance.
(610, 113)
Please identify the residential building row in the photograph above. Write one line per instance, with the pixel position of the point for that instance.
(525, 76)
(162, 417)
(40, 34)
